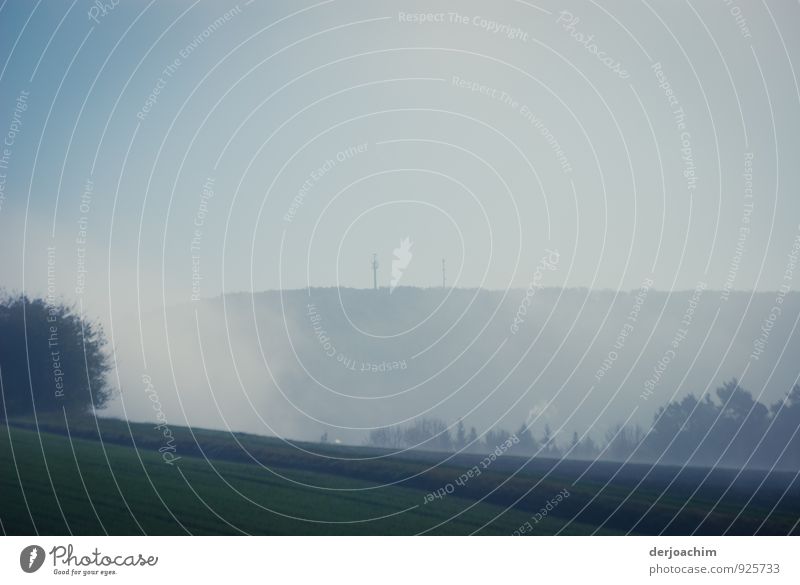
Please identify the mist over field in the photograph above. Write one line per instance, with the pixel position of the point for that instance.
(302, 363)
(399, 267)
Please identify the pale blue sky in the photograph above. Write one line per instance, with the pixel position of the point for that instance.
(262, 102)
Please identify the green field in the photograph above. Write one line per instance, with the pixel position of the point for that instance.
(54, 482)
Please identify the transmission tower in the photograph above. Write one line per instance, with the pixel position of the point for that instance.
(375, 271)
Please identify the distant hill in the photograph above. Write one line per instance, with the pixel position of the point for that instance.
(300, 363)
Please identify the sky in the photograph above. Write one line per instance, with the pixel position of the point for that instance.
(175, 149)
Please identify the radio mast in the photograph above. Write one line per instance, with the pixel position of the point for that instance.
(375, 271)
